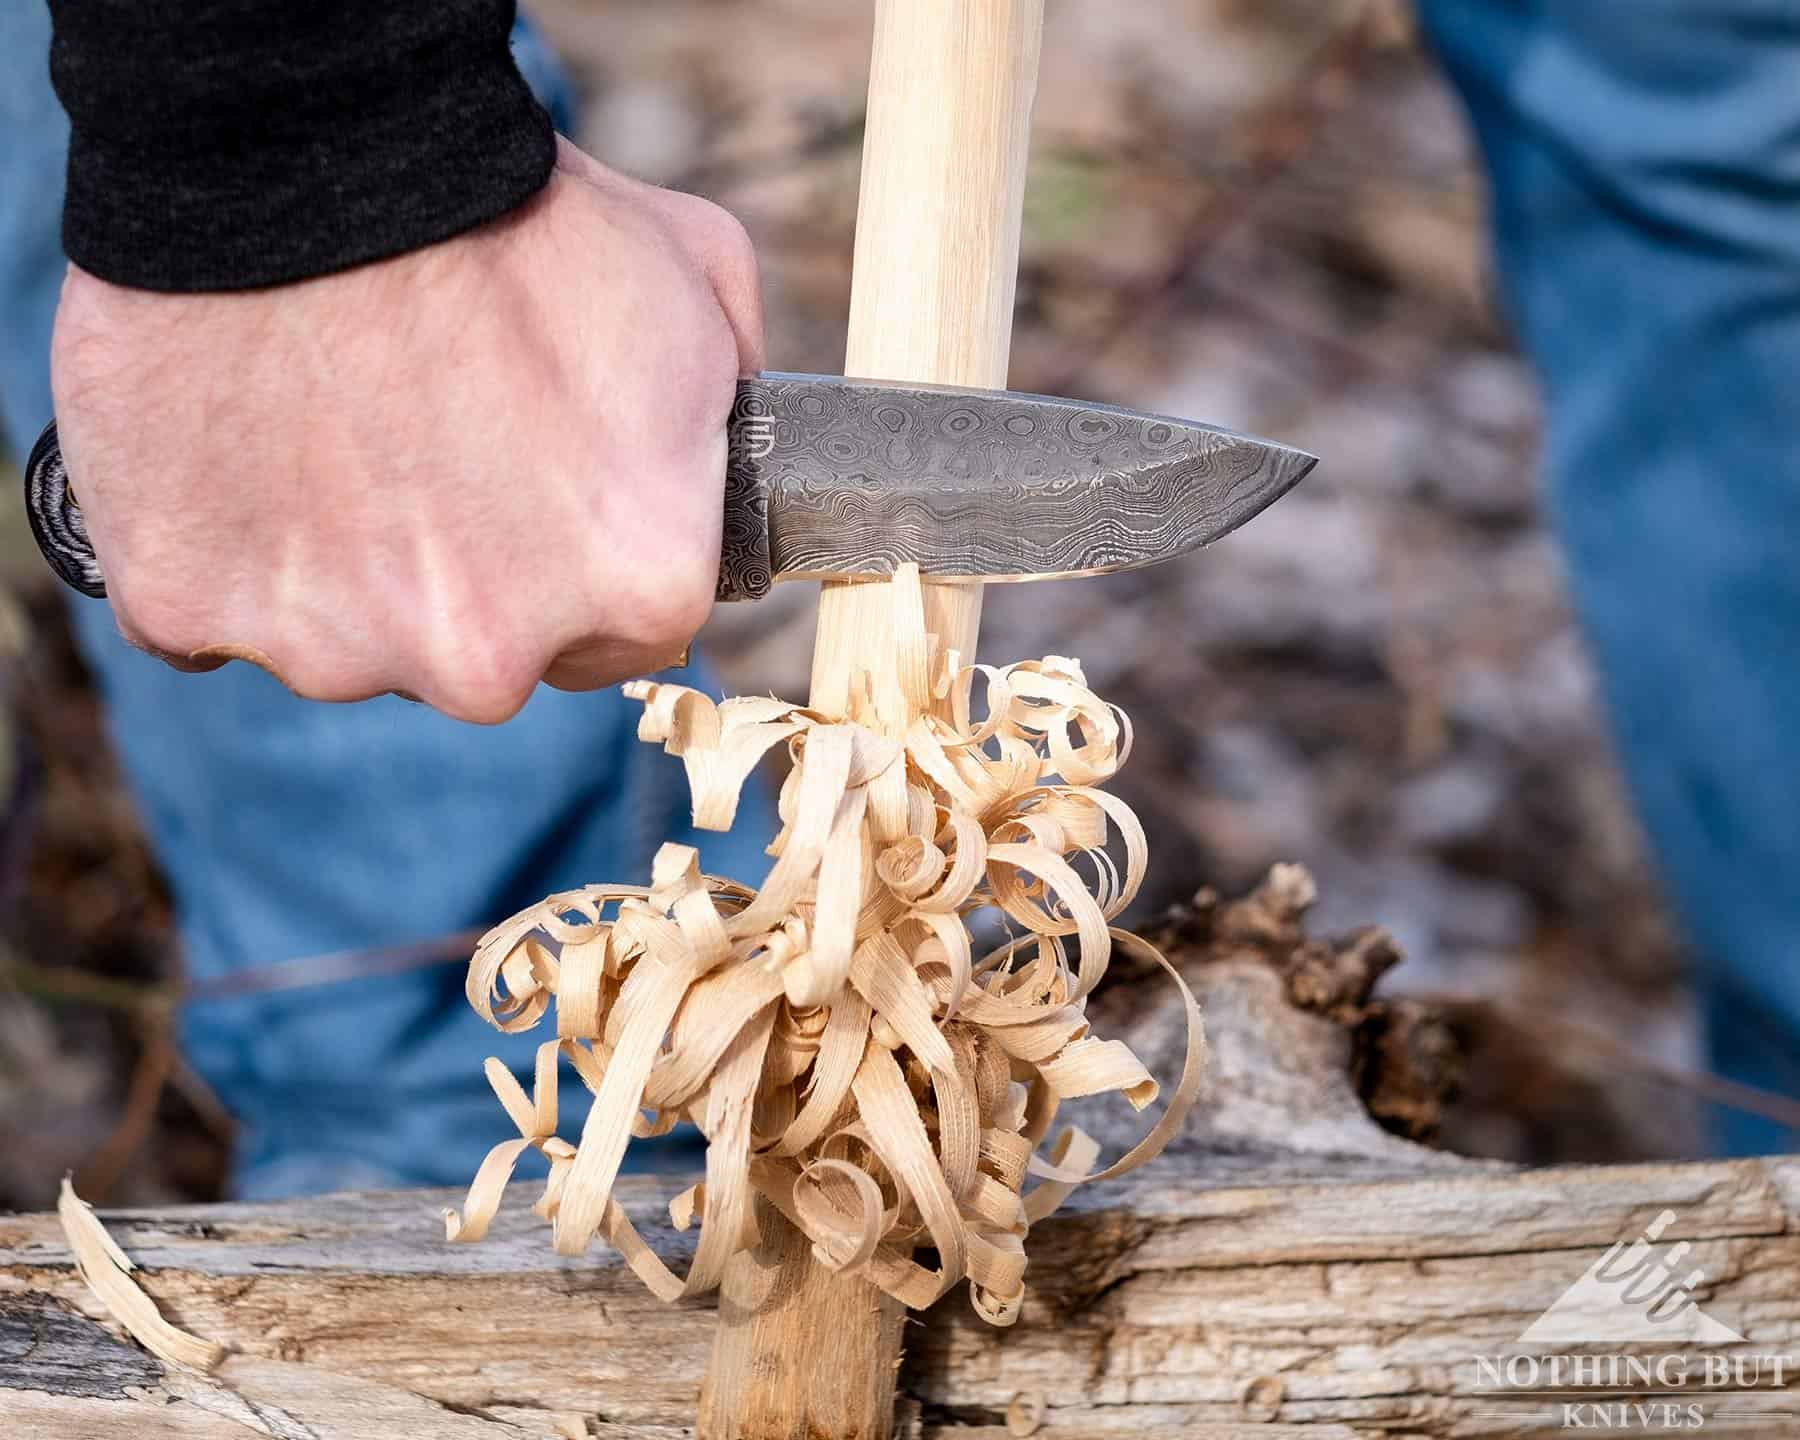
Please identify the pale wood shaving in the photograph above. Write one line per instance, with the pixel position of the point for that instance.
(106, 1270)
(833, 1035)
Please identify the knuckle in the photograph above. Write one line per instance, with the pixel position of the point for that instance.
(713, 229)
(482, 681)
(328, 682)
(156, 621)
(668, 618)
(475, 704)
(732, 242)
(132, 633)
(718, 240)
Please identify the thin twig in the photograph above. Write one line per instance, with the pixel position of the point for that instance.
(56, 982)
(1733, 1094)
(203, 1099)
(335, 967)
(84, 987)
(101, 1170)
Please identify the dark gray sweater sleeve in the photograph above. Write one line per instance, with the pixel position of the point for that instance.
(226, 144)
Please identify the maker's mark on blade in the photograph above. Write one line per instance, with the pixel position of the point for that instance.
(745, 571)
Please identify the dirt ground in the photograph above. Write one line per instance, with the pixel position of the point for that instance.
(1260, 214)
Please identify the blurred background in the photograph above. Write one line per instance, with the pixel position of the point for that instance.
(1262, 213)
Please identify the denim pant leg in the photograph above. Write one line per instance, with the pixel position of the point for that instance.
(34, 143)
(1645, 169)
(289, 828)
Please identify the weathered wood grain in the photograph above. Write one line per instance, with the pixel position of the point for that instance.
(1336, 1307)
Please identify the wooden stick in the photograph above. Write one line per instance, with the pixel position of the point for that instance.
(802, 1353)
(951, 84)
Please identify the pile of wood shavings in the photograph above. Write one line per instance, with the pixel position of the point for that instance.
(846, 1054)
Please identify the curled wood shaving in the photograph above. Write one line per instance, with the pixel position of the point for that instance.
(106, 1270)
(835, 1037)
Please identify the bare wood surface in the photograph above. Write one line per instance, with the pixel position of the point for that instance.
(802, 1352)
(951, 85)
(1168, 1304)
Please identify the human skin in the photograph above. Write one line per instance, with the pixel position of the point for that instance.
(451, 474)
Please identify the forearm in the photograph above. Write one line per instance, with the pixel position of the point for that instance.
(226, 144)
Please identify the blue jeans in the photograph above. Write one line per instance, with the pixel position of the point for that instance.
(1644, 157)
(1646, 184)
(290, 829)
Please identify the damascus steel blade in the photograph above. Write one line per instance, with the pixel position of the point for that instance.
(834, 479)
(828, 478)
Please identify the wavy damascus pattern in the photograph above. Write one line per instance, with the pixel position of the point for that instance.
(859, 477)
(828, 477)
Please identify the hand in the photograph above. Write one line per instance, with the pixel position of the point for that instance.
(450, 474)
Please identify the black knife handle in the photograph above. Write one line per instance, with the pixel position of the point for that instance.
(744, 573)
(56, 520)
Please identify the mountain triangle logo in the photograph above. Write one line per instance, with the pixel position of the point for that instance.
(1633, 1293)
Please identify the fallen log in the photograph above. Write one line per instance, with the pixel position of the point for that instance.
(1313, 1306)
(1289, 1268)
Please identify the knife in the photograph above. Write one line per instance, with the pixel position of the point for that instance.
(830, 478)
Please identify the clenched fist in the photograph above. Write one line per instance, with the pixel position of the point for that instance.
(451, 474)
